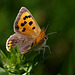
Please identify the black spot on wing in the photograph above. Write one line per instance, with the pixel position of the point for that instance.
(29, 16)
(8, 46)
(30, 23)
(33, 28)
(25, 22)
(22, 24)
(23, 29)
(25, 17)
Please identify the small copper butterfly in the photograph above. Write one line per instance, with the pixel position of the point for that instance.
(27, 33)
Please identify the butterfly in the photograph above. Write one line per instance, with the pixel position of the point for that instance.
(28, 34)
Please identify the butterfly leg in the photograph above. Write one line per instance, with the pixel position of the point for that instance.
(43, 52)
(39, 52)
(43, 48)
(48, 48)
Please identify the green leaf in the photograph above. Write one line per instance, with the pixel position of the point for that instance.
(3, 72)
(18, 54)
(25, 68)
(30, 68)
(3, 57)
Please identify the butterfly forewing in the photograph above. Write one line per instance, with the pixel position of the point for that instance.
(26, 24)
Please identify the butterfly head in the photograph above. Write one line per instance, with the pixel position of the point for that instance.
(46, 38)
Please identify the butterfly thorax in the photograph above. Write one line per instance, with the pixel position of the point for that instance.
(38, 46)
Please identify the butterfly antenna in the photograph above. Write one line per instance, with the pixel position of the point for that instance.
(47, 26)
(51, 33)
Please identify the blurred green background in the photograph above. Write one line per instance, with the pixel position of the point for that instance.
(61, 15)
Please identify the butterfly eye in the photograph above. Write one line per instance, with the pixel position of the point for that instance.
(46, 37)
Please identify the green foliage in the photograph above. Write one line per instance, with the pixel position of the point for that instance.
(61, 15)
(15, 63)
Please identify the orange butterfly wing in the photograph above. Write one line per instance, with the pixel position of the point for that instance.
(26, 24)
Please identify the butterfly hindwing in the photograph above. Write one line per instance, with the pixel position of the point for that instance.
(23, 41)
(26, 24)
